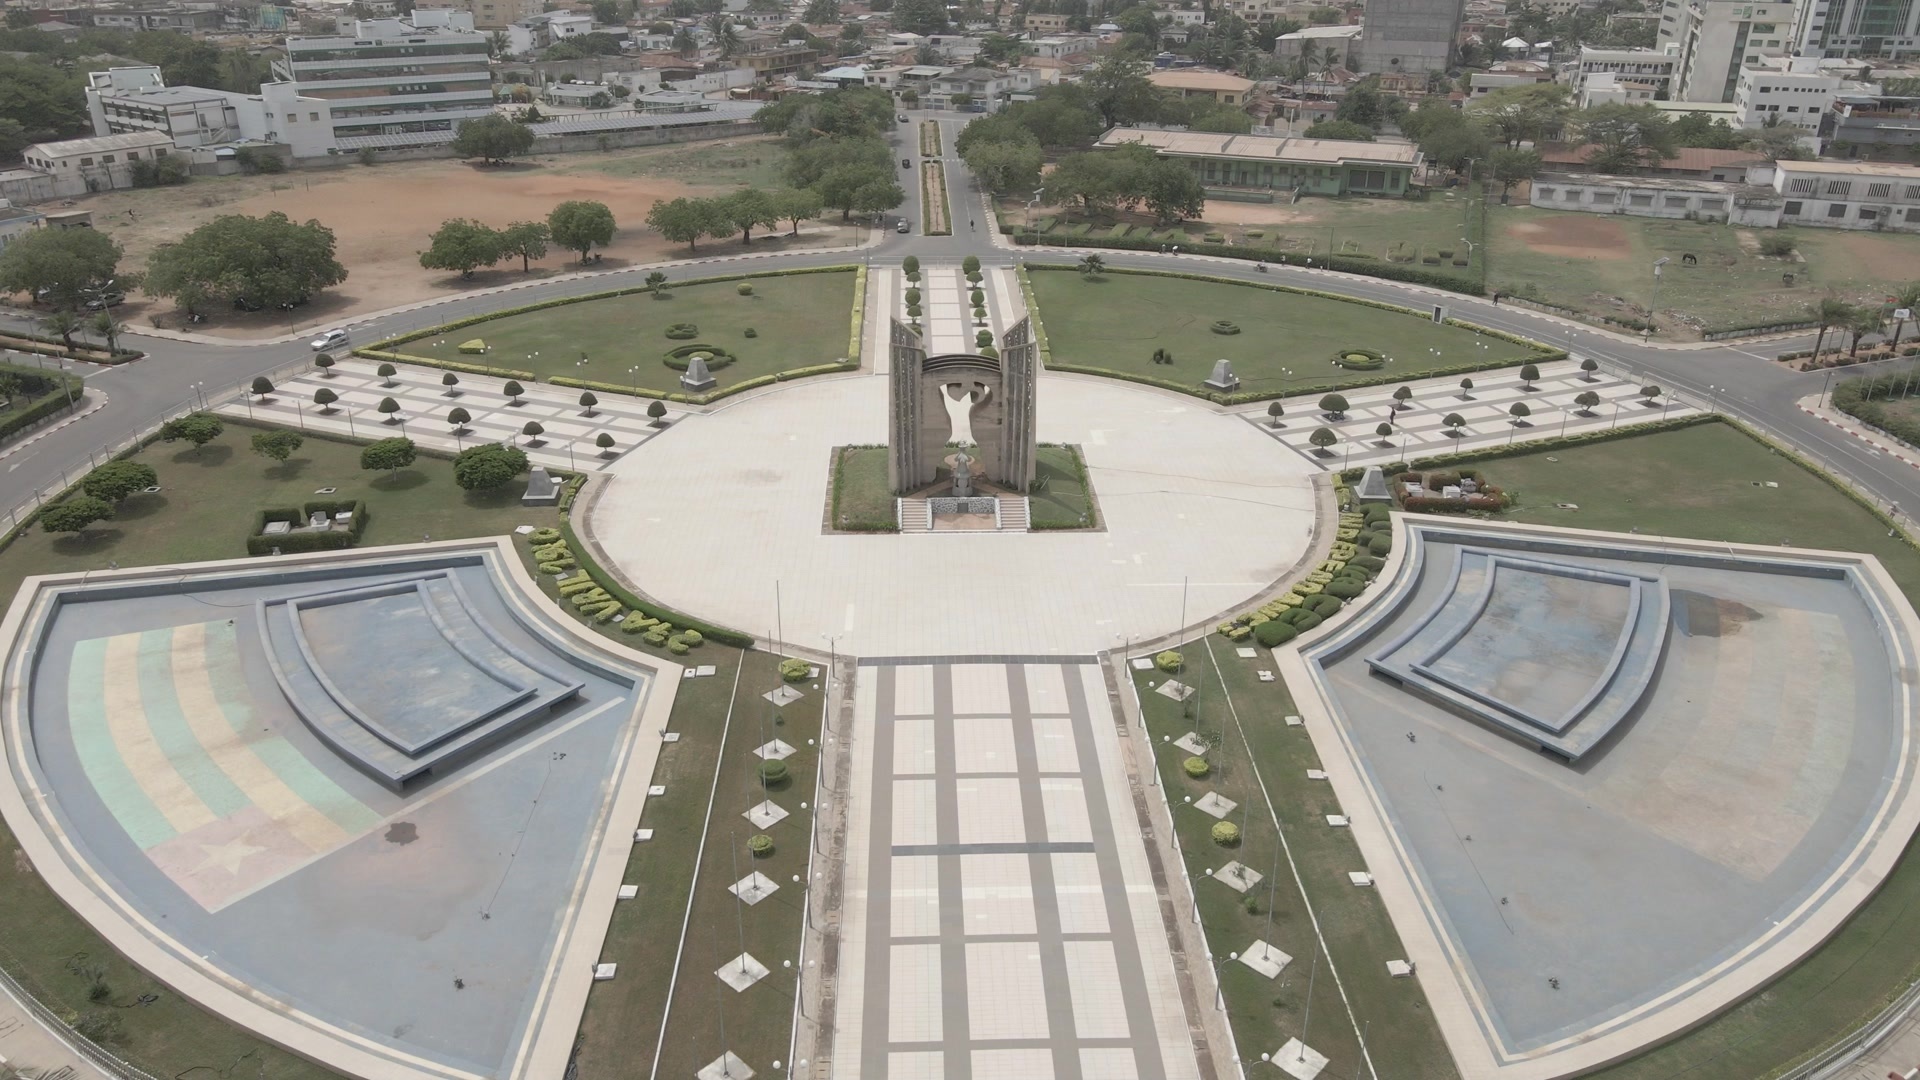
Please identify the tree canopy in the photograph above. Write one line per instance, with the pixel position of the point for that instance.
(492, 138)
(489, 467)
(463, 245)
(64, 261)
(579, 225)
(268, 261)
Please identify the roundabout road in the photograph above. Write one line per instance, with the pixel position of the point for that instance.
(1739, 378)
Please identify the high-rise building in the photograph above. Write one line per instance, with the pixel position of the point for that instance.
(1408, 35)
(1825, 28)
(391, 78)
(1717, 38)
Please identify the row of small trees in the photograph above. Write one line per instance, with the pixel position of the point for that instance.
(689, 220)
(465, 245)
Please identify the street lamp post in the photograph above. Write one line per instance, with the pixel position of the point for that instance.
(1653, 311)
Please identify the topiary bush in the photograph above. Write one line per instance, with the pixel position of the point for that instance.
(1222, 326)
(795, 670)
(1345, 589)
(1196, 767)
(760, 845)
(744, 289)
(1226, 834)
(1274, 633)
(773, 771)
(681, 357)
(1381, 544)
(751, 332)
(1359, 360)
(683, 331)
(1169, 661)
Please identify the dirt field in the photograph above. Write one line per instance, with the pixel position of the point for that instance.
(1590, 237)
(383, 216)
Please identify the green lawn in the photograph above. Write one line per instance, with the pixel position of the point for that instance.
(798, 320)
(1115, 322)
(1698, 482)
(1059, 499)
(862, 499)
(208, 498)
(1234, 705)
(756, 162)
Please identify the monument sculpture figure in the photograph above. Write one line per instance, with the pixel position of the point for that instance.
(999, 393)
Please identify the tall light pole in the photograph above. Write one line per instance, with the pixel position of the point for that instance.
(1653, 311)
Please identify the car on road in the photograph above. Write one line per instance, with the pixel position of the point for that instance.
(903, 118)
(904, 227)
(102, 301)
(328, 340)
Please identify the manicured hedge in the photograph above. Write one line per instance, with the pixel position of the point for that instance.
(1345, 264)
(49, 345)
(450, 365)
(859, 315)
(665, 614)
(40, 410)
(294, 543)
(1861, 398)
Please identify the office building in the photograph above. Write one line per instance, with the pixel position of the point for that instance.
(1408, 35)
(129, 99)
(1838, 28)
(391, 78)
(1717, 38)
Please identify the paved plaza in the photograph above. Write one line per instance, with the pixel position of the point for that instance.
(1419, 430)
(1001, 919)
(568, 442)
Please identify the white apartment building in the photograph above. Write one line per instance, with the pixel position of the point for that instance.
(1790, 91)
(1655, 67)
(391, 78)
(540, 31)
(1848, 195)
(1717, 38)
(1857, 28)
(1606, 88)
(129, 99)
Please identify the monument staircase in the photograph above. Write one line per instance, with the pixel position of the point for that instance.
(1013, 513)
(913, 515)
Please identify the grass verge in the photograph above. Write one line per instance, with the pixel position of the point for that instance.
(861, 500)
(934, 218)
(1240, 718)
(1062, 496)
(1116, 322)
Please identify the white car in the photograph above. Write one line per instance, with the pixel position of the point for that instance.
(329, 339)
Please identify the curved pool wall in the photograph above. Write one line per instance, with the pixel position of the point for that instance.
(1755, 794)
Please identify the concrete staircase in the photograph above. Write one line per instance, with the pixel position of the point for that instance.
(1013, 513)
(913, 515)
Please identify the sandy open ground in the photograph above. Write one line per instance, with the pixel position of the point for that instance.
(383, 216)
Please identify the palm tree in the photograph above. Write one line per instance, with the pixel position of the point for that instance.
(684, 43)
(63, 323)
(1827, 313)
(1092, 266)
(497, 45)
(1906, 299)
(108, 328)
(726, 36)
(1866, 320)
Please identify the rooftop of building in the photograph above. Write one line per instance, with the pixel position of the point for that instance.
(103, 144)
(1687, 158)
(1200, 80)
(176, 95)
(1313, 32)
(1648, 183)
(1852, 168)
(1263, 147)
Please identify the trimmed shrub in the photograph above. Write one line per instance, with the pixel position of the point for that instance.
(1222, 326)
(760, 845)
(1324, 605)
(1196, 767)
(1381, 544)
(1169, 661)
(1226, 834)
(744, 289)
(1359, 360)
(681, 357)
(1345, 589)
(474, 345)
(773, 772)
(1274, 633)
(795, 670)
(683, 331)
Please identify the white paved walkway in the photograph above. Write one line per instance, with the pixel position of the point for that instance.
(1001, 918)
(715, 512)
(1419, 430)
(424, 404)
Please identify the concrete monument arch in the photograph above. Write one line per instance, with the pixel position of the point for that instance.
(1000, 391)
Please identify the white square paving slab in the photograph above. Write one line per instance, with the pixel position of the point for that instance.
(1065, 800)
(1213, 804)
(1190, 742)
(996, 893)
(1054, 748)
(726, 1067)
(753, 888)
(1238, 876)
(1265, 958)
(1108, 1063)
(1175, 689)
(1246, 653)
(991, 811)
(913, 813)
(1006, 998)
(983, 745)
(741, 972)
(917, 1065)
(1094, 977)
(1078, 895)
(915, 896)
(1013, 1064)
(777, 750)
(1300, 1061)
(782, 695)
(913, 747)
(766, 815)
(913, 980)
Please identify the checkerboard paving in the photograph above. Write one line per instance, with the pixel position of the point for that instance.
(1001, 917)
